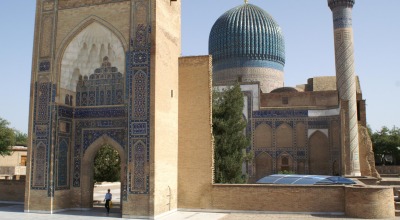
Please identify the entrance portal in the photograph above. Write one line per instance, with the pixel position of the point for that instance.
(88, 180)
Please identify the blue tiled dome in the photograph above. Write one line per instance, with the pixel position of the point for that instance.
(246, 36)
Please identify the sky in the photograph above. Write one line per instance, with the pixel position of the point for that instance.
(307, 28)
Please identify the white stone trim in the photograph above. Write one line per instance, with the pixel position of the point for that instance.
(321, 113)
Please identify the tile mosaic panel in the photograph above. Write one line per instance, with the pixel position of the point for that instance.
(342, 18)
(88, 131)
(44, 66)
(103, 87)
(280, 113)
(40, 165)
(66, 4)
(62, 163)
(138, 94)
(139, 153)
(44, 96)
(100, 112)
(43, 102)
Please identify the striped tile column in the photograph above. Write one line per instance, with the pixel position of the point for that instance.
(345, 76)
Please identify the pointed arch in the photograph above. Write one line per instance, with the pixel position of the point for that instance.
(74, 52)
(263, 136)
(87, 162)
(284, 135)
(319, 162)
(39, 165)
(285, 162)
(82, 25)
(264, 165)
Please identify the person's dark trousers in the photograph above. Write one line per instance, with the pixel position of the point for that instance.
(107, 205)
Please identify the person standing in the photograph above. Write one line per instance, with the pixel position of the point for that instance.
(108, 198)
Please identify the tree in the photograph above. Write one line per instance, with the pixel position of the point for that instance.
(386, 144)
(21, 139)
(107, 165)
(230, 140)
(7, 138)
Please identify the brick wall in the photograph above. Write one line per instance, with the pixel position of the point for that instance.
(164, 98)
(195, 133)
(388, 169)
(279, 198)
(300, 99)
(12, 190)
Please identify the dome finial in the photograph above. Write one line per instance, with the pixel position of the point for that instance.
(246, 1)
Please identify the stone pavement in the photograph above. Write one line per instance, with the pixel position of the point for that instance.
(15, 212)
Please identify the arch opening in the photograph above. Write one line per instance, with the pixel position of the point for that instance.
(92, 195)
(85, 54)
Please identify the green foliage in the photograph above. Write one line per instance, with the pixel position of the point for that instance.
(386, 142)
(21, 139)
(286, 172)
(7, 138)
(229, 137)
(107, 165)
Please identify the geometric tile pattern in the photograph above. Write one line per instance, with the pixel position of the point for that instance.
(104, 112)
(230, 40)
(104, 87)
(88, 131)
(62, 164)
(80, 3)
(138, 86)
(342, 18)
(44, 91)
(139, 172)
(103, 91)
(40, 166)
(138, 94)
(44, 66)
(280, 113)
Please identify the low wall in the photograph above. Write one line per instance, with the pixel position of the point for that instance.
(12, 190)
(12, 170)
(388, 169)
(279, 198)
(357, 201)
(370, 202)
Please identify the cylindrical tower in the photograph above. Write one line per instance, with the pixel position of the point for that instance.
(345, 76)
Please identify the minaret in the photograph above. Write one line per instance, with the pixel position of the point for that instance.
(345, 77)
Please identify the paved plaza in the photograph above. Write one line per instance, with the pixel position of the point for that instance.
(15, 212)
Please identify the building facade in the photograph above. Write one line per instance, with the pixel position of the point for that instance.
(96, 64)
(108, 72)
(302, 129)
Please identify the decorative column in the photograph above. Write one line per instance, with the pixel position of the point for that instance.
(345, 76)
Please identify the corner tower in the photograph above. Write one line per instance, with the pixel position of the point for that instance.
(247, 45)
(346, 79)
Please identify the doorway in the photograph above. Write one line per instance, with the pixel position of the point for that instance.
(94, 187)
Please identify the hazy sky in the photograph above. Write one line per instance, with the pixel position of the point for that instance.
(307, 27)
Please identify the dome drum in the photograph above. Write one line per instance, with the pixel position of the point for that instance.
(267, 78)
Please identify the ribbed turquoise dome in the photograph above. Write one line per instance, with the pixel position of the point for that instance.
(246, 36)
